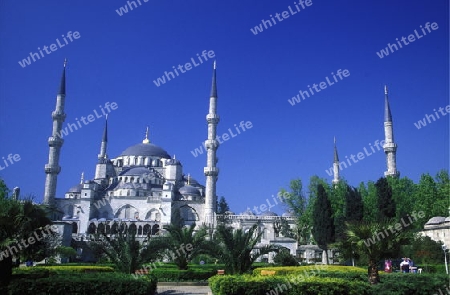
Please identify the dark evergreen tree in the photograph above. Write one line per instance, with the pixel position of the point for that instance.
(385, 202)
(354, 208)
(222, 206)
(323, 223)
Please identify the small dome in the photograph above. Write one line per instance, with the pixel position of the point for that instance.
(173, 162)
(269, 213)
(76, 188)
(436, 220)
(189, 190)
(288, 214)
(230, 213)
(248, 212)
(146, 150)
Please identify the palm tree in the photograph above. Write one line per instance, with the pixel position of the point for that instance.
(237, 248)
(126, 252)
(187, 243)
(376, 241)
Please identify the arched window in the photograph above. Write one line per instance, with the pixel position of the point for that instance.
(74, 228)
(188, 214)
(101, 228)
(155, 229)
(132, 229)
(114, 228)
(146, 229)
(92, 228)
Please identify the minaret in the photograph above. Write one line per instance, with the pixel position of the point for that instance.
(101, 167)
(390, 148)
(211, 144)
(103, 156)
(335, 165)
(55, 143)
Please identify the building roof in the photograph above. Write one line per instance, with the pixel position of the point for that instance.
(76, 188)
(269, 213)
(135, 171)
(146, 149)
(189, 190)
(436, 220)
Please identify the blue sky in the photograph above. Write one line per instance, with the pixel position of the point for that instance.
(116, 58)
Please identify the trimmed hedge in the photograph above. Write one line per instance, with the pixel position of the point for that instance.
(287, 285)
(84, 284)
(63, 269)
(312, 269)
(326, 280)
(175, 275)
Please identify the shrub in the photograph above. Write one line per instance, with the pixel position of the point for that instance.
(175, 275)
(92, 284)
(285, 258)
(60, 269)
(287, 285)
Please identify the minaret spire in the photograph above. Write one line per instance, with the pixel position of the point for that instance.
(211, 171)
(146, 140)
(335, 164)
(55, 143)
(390, 148)
(214, 86)
(102, 157)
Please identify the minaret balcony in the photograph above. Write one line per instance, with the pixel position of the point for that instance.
(212, 118)
(49, 169)
(211, 171)
(59, 116)
(55, 141)
(211, 144)
(390, 147)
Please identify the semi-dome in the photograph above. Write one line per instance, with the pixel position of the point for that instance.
(146, 150)
(76, 188)
(189, 190)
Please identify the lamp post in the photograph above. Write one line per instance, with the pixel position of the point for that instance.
(444, 248)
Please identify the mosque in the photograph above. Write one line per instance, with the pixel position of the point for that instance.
(144, 188)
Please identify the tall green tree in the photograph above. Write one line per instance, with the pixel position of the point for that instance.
(403, 190)
(297, 204)
(370, 201)
(222, 206)
(354, 207)
(428, 200)
(323, 223)
(385, 202)
(19, 220)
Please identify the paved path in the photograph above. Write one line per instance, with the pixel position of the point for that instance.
(184, 290)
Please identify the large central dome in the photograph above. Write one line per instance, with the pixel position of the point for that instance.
(146, 150)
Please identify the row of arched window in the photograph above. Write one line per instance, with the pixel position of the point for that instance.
(137, 161)
(116, 228)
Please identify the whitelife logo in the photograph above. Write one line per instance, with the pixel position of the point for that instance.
(411, 38)
(71, 127)
(285, 14)
(27, 61)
